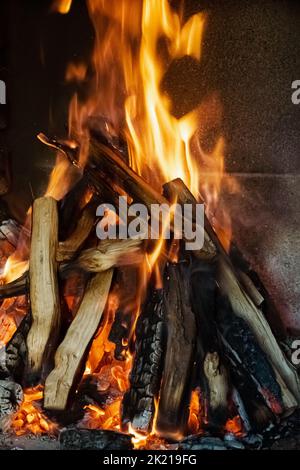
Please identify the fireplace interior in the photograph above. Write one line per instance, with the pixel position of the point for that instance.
(135, 343)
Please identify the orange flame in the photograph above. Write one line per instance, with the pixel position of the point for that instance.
(62, 6)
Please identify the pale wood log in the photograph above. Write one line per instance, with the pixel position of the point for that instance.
(244, 307)
(72, 350)
(110, 253)
(44, 296)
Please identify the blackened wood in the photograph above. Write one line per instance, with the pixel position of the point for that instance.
(14, 353)
(245, 353)
(11, 396)
(139, 402)
(176, 383)
(212, 375)
(91, 439)
(119, 334)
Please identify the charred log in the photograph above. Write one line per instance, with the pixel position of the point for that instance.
(138, 404)
(11, 396)
(14, 354)
(91, 439)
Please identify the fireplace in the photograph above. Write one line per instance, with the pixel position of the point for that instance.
(144, 338)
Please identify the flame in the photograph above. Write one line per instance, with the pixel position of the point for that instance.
(194, 424)
(62, 6)
(76, 72)
(29, 419)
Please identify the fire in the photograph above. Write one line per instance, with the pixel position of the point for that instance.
(234, 426)
(29, 419)
(62, 6)
(194, 414)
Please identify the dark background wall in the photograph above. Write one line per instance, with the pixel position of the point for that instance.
(251, 56)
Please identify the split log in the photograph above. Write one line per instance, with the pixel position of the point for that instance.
(72, 350)
(176, 383)
(243, 307)
(108, 254)
(235, 289)
(138, 406)
(243, 348)
(211, 373)
(44, 297)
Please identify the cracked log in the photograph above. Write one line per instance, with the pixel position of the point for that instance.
(44, 296)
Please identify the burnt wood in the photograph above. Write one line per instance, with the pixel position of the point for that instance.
(92, 439)
(139, 402)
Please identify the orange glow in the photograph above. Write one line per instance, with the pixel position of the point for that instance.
(29, 419)
(62, 6)
(76, 72)
(234, 426)
(194, 414)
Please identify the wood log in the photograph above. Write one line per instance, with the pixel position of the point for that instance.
(242, 346)
(11, 397)
(138, 406)
(106, 163)
(72, 350)
(176, 383)
(243, 305)
(110, 253)
(211, 373)
(244, 308)
(106, 255)
(44, 297)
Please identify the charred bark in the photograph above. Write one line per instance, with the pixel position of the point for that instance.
(139, 402)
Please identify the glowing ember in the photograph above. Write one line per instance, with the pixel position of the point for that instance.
(234, 426)
(29, 419)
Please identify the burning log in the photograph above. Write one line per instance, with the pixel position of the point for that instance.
(212, 374)
(180, 348)
(242, 304)
(139, 402)
(72, 350)
(243, 307)
(105, 163)
(245, 353)
(45, 305)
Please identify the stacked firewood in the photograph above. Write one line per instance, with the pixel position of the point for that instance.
(203, 328)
